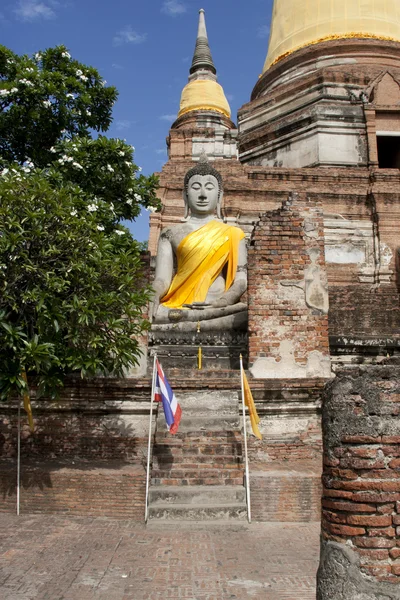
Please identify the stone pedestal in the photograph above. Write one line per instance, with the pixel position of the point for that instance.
(181, 349)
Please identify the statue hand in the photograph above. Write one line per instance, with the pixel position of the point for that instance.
(220, 303)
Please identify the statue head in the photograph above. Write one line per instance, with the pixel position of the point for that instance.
(203, 189)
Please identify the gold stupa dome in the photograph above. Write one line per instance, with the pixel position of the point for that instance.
(203, 92)
(299, 23)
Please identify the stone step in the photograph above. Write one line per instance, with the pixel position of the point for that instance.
(199, 480)
(206, 423)
(167, 461)
(200, 512)
(195, 437)
(183, 472)
(201, 494)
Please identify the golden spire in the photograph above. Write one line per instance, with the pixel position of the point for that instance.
(297, 24)
(203, 92)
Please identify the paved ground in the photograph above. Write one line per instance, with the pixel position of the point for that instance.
(58, 558)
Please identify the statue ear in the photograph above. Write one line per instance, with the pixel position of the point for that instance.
(219, 205)
(185, 199)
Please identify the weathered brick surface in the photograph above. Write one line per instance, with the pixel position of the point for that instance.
(98, 489)
(285, 254)
(361, 432)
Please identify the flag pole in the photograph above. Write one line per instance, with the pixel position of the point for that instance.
(153, 383)
(19, 455)
(245, 444)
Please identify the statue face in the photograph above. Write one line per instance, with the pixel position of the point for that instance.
(202, 194)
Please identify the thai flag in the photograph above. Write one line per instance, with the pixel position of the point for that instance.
(164, 394)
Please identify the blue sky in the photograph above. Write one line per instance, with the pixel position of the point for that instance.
(145, 50)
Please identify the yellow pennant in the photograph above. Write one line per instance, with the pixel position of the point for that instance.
(27, 403)
(249, 402)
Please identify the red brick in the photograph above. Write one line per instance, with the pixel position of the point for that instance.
(374, 542)
(377, 570)
(361, 439)
(333, 517)
(382, 532)
(395, 463)
(391, 439)
(394, 553)
(374, 554)
(348, 506)
(370, 520)
(386, 509)
(363, 451)
(375, 497)
(338, 494)
(396, 569)
(396, 519)
(343, 530)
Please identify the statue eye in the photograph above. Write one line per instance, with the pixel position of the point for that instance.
(195, 186)
(210, 186)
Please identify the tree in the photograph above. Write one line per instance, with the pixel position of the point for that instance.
(72, 290)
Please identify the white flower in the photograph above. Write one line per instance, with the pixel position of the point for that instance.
(130, 190)
(137, 197)
(128, 164)
(4, 92)
(119, 232)
(26, 169)
(60, 160)
(77, 165)
(92, 208)
(38, 56)
(9, 61)
(151, 209)
(112, 207)
(133, 148)
(84, 78)
(13, 90)
(47, 103)
(29, 70)
(79, 73)
(129, 201)
(73, 213)
(109, 167)
(4, 172)
(26, 82)
(52, 149)
(89, 114)
(104, 82)
(66, 55)
(70, 95)
(100, 227)
(121, 153)
(139, 169)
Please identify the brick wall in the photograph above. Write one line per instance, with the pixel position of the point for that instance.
(287, 290)
(75, 488)
(361, 495)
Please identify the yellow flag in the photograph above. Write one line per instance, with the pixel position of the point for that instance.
(249, 402)
(27, 403)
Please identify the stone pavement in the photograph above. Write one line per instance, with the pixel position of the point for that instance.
(57, 558)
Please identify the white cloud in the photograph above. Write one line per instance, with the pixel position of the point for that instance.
(263, 31)
(29, 10)
(161, 151)
(123, 124)
(173, 7)
(128, 36)
(117, 66)
(169, 118)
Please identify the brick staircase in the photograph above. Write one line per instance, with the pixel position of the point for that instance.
(197, 474)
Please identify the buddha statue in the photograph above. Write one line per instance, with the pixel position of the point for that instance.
(201, 264)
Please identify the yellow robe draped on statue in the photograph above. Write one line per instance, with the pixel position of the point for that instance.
(201, 257)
